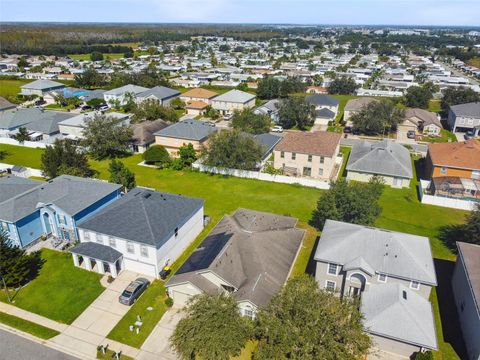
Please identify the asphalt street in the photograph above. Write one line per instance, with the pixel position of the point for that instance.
(14, 347)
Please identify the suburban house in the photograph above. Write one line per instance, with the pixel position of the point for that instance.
(40, 87)
(466, 292)
(311, 154)
(93, 94)
(30, 209)
(421, 121)
(160, 93)
(385, 158)
(38, 118)
(142, 232)
(66, 92)
(195, 108)
(268, 142)
(354, 106)
(465, 117)
(391, 272)
(233, 100)
(248, 255)
(454, 169)
(73, 127)
(144, 134)
(47, 125)
(123, 94)
(6, 105)
(184, 132)
(270, 108)
(326, 107)
(198, 94)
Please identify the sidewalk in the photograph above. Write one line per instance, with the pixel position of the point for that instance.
(26, 315)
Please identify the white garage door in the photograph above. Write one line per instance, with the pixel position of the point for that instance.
(179, 299)
(139, 267)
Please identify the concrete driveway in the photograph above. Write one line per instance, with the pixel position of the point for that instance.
(157, 345)
(91, 328)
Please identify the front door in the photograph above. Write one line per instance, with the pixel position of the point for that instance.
(354, 291)
(106, 267)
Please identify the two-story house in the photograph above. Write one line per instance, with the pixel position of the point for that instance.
(142, 231)
(391, 272)
(162, 94)
(120, 96)
(465, 117)
(233, 100)
(311, 154)
(248, 255)
(326, 107)
(30, 209)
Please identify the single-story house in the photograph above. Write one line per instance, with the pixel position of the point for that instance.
(11, 120)
(74, 126)
(142, 231)
(322, 103)
(47, 124)
(40, 87)
(67, 93)
(391, 272)
(248, 255)
(311, 154)
(421, 121)
(160, 93)
(143, 134)
(270, 108)
(385, 158)
(233, 100)
(354, 106)
(94, 94)
(184, 132)
(466, 292)
(268, 142)
(30, 209)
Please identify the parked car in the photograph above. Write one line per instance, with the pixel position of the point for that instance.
(347, 129)
(277, 129)
(355, 131)
(85, 107)
(40, 102)
(101, 107)
(133, 291)
(468, 135)
(411, 134)
(227, 117)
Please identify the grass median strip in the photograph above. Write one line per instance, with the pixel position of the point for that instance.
(27, 326)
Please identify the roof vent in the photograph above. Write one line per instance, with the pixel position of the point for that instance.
(404, 294)
(146, 195)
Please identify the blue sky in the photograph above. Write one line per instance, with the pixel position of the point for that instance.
(405, 12)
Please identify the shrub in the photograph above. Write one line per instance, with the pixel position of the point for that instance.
(157, 155)
(427, 355)
(169, 302)
(110, 279)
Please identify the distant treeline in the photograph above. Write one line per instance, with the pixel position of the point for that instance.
(61, 39)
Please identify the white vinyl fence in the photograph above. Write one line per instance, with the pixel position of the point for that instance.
(442, 200)
(319, 184)
(30, 144)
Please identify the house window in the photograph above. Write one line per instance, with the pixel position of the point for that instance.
(294, 156)
(4, 226)
(99, 239)
(309, 158)
(475, 174)
(130, 248)
(443, 170)
(322, 159)
(248, 313)
(320, 172)
(282, 154)
(330, 285)
(382, 278)
(86, 235)
(176, 232)
(144, 251)
(307, 171)
(112, 242)
(414, 285)
(62, 220)
(332, 269)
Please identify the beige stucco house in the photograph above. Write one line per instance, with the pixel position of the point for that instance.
(310, 154)
(233, 100)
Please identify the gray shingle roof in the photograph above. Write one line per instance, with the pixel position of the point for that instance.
(188, 130)
(5, 104)
(467, 110)
(268, 108)
(322, 100)
(235, 96)
(257, 254)
(393, 311)
(42, 84)
(20, 117)
(358, 104)
(470, 254)
(48, 122)
(11, 186)
(160, 92)
(382, 158)
(70, 193)
(325, 113)
(387, 252)
(94, 94)
(134, 89)
(144, 216)
(268, 142)
(97, 251)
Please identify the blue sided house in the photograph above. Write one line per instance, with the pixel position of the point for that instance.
(30, 209)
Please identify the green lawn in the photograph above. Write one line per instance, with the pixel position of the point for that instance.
(109, 355)
(9, 89)
(20, 155)
(27, 326)
(343, 101)
(434, 106)
(61, 291)
(445, 136)
(106, 56)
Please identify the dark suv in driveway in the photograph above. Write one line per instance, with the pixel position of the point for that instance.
(133, 291)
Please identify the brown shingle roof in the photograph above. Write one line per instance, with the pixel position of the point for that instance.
(143, 132)
(199, 93)
(320, 143)
(196, 105)
(463, 155)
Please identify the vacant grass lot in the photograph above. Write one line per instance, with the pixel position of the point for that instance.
(61, 291)
(19, 155)
(10, 88)
(27, 326)
(402, 211)
(106, 56)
